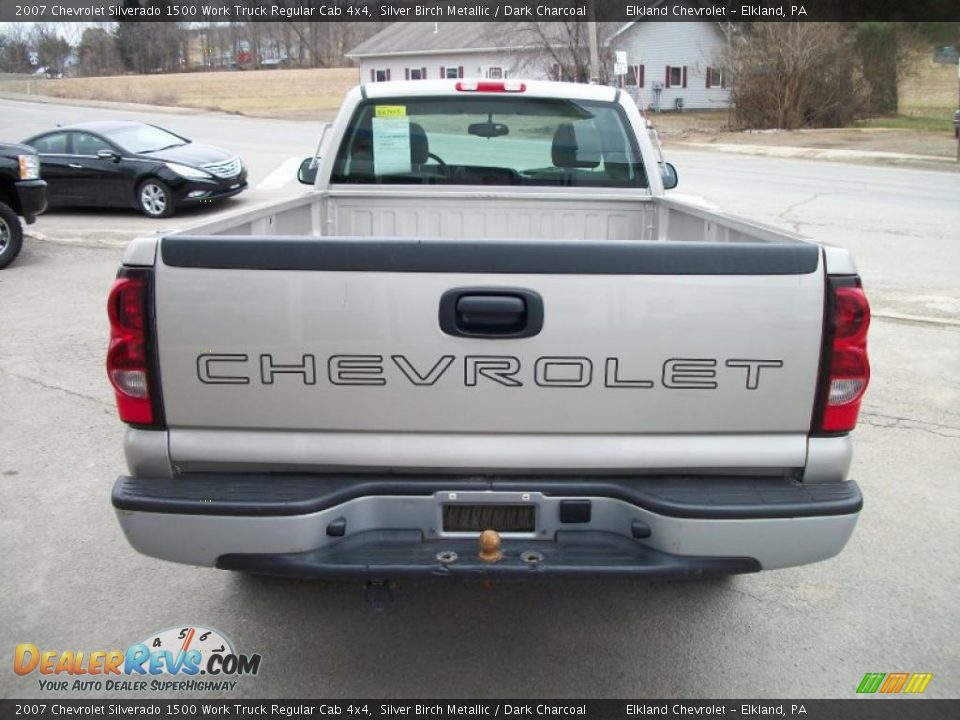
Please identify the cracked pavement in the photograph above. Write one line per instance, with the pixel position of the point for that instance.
(887, 603)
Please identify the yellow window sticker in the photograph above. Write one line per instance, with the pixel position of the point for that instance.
(390, 111)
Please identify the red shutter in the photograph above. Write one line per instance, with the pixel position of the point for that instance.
(460, 71)
(684, 76)
(443, 73)
(709, 78)
(667, 84)
(373, 75)
(641, 75)
(388, 73)
(423, 73)
(406, 73)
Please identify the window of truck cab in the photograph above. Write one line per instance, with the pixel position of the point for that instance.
(483, 139)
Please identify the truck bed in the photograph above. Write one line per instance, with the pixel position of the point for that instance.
(413, 212)
(359, 272)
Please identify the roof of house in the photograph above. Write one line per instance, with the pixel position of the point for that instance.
(435, 38)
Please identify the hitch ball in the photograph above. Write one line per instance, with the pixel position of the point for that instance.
(490, 546)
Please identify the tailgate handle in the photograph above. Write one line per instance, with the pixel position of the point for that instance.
(491, 313)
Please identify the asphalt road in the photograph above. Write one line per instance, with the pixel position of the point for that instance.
(887, 603)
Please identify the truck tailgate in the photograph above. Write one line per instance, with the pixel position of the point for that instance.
(314, 335)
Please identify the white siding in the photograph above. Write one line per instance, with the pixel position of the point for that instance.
(473, 64)
(655, 45)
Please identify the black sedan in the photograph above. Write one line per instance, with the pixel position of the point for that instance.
(133, 164)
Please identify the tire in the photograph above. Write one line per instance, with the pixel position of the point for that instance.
(11, 235)
(155, 199)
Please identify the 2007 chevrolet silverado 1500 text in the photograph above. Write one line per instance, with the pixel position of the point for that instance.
(487, 315)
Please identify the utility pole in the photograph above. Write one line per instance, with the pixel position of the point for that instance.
(594, 48)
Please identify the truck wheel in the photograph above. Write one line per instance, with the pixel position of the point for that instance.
(155, 199)
(11, 235)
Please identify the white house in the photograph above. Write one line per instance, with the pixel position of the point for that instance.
(669, 64)
(428, 51)
(673, 64)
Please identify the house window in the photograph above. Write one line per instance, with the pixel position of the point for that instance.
(634, 76)
(451, 73)
(714, 77)
(416, 73)
(675, 76)
(379, 75)
(495, 73)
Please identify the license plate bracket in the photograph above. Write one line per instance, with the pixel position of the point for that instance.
(477, 517)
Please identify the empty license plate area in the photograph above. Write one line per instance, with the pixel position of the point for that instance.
(475, 517)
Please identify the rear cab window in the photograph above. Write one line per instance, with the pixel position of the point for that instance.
(489, 141)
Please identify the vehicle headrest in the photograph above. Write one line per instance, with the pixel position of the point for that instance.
(419, 147)
(571, 151)
(362, 146)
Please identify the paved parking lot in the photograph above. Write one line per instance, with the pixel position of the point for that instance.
(887, 603)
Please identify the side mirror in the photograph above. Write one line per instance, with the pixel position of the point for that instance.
(669, 174)
(108, 155)
(307, 174)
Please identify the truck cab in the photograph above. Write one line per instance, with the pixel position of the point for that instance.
(22, 194)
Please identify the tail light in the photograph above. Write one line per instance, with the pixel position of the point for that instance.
(130, 365)
(488, 86)
(845, 366)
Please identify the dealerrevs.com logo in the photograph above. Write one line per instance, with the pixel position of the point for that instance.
(189, 658)
(893, 683)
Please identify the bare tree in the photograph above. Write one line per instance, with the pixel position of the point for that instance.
(793, 75)
(560, 50)
(148, 47)
(15, 49)
(52, 50)
(97, 53)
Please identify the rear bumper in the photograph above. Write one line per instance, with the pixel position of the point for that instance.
(392, 525)
(401, 553)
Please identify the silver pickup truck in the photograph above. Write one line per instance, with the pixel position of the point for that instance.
(487, 344)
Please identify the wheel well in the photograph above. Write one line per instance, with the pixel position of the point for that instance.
(8, 197)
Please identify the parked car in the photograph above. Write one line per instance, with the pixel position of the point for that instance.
(133, 164)
(487, 344)
(22, 194)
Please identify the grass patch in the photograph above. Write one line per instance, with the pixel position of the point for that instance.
(927, 99)
(696, 121)
(935, 122)
(273, 93)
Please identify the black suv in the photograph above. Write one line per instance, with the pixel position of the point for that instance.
(22, 193)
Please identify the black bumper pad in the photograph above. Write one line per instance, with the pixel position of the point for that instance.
(404, 553)
(704, 497)
(32, 195)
